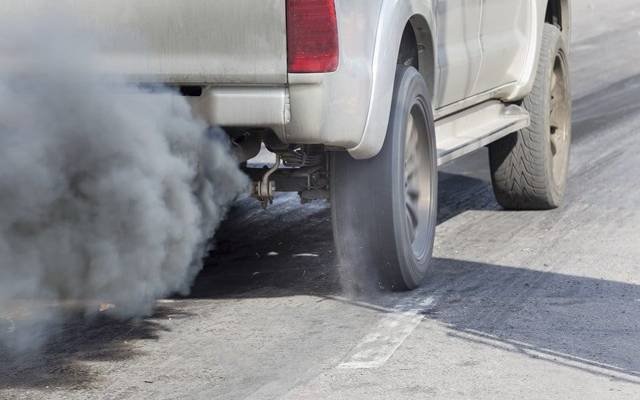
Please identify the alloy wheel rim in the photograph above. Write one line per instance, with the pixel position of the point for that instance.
(559, 120)
(417, 183)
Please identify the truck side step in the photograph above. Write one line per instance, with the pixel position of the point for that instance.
(469, 130)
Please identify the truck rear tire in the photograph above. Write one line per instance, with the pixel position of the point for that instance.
(529, 167)
(384, 209)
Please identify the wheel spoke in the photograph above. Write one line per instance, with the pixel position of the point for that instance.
(411, 139)
(410, 175)
(413, 143)
(411, 162)
(554, 144)
(413, 193)
(411, 168)
(557, 108)
(412, 213)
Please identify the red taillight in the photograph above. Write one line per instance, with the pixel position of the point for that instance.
(312, 35)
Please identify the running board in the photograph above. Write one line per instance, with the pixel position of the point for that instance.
(469, 130)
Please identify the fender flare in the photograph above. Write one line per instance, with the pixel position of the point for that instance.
(394, 16)
(527, 79)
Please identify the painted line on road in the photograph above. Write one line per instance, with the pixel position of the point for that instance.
(377, 347)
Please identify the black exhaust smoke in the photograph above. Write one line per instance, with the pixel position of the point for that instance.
(107, 191)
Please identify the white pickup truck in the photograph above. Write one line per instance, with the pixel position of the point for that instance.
(362, 100)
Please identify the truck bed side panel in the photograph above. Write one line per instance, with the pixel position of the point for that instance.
(179, 41)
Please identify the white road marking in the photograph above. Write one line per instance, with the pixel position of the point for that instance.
(375, 349)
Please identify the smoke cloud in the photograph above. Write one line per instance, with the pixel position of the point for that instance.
(108, 192)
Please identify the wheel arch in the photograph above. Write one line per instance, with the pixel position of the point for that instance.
(417, 41)
(413, 21)
(541, 12)
(558, 12)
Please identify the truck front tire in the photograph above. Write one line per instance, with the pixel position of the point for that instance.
(529, 167)
(384, 209)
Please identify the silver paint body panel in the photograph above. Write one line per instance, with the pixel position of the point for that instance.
(177, 41)
(471, 51)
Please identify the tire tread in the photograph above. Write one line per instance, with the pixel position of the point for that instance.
(520, 176)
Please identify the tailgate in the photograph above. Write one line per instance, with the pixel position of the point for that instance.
(185, 41)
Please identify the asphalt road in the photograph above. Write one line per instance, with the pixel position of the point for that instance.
(527, 305)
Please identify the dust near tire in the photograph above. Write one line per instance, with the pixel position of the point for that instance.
(384, 209)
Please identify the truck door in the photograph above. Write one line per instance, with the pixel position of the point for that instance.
(504, 35)
(459, 50)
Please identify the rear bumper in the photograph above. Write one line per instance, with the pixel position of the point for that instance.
(328, 109)
(266, 107)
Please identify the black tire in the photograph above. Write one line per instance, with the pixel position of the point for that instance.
(377, 239)
(529, 167)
